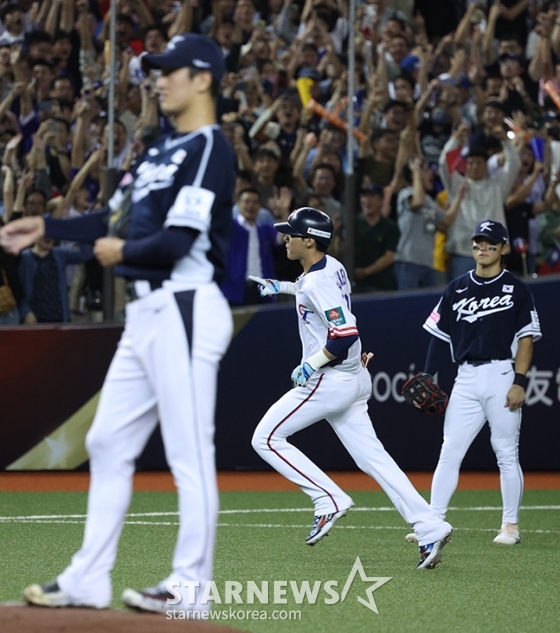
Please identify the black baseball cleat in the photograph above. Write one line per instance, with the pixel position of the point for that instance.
(51, 595)
(430, 555)
(153, 599)
(322, 525)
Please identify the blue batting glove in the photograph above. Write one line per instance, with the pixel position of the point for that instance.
(266, 286)
(301, 374)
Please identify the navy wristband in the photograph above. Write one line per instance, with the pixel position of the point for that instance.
(520, 380)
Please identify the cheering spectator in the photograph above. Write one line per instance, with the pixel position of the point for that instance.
(484, 199)
(322, 181)
(418, 218)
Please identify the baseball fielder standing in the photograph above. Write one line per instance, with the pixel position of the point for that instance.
(488, 318)
(178, 327)
(332, 383)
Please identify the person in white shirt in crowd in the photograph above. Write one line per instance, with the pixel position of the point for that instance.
(484, 199)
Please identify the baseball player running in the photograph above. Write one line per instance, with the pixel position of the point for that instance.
(332, 383)
(178, 326)
(488, 318)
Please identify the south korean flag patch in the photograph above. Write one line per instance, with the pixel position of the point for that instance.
(335, 316)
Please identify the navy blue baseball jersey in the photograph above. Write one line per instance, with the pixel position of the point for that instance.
(483, 319)
(194, 193)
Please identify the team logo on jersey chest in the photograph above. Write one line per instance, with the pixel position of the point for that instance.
(472, 309)
(151, 176)
(304, 313)
(335, 316)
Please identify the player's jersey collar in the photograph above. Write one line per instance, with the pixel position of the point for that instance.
(482, 281)
(319, 265)
(176, 138)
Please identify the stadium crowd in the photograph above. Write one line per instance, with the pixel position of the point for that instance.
(456, 107)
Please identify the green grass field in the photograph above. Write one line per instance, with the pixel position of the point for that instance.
(480, 587)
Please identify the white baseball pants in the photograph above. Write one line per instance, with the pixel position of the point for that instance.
(165, 369)
(340, 398)
(479, 394)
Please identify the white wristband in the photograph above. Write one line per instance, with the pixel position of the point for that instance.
(318, 360)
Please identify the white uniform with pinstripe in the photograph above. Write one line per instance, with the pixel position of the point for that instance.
(339, 394)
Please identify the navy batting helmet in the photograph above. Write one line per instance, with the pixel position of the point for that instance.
(308, 222)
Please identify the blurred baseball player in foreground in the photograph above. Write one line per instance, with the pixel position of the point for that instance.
(178, 327)
(332, 383)
(488, 318)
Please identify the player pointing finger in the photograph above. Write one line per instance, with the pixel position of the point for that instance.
(332, 382)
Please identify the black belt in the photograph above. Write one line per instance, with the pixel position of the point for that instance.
(132, 293)
(477, 363)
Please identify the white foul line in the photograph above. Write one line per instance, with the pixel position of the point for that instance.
(132, 518)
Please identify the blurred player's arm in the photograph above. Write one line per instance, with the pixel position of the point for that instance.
(20, 234)
(161, 249)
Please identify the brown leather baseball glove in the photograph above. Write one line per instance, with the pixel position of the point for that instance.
(423, 393)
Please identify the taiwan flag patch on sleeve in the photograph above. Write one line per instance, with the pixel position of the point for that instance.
(335, 316)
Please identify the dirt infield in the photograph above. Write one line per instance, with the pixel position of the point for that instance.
(22, 619)
(251, 481)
